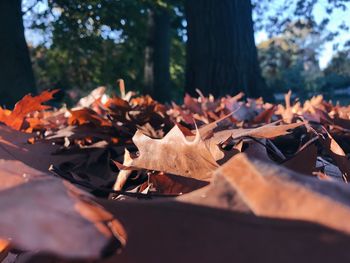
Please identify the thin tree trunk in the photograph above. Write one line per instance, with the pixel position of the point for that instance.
(221, 51)
(149, 55)
(16, 75)
(157, 55)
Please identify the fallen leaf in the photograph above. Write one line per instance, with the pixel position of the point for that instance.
(85, 116)
(338, 155)
(267, 131)
(170, 184)
(182, 232)
(303, 161)
(173, 154)
(277, 192)
(28, 104)
(4, 249)
(51, 215)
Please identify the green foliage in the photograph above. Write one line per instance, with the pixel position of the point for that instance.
(340, 64)
(97, 42)
(337, 73)
(285, 66)
(83, 68)
(289, 61)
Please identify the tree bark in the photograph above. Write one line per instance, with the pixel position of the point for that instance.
(221, 51)
(157, 55)
(16, 74)
(149, 55)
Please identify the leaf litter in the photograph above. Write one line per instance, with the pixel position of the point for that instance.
(128, 179)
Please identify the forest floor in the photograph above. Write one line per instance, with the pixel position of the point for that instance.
(128, 179)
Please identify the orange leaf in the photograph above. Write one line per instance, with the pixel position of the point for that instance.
(86, 115)
(26, 105)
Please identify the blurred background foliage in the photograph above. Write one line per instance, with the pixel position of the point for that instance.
(95, 42)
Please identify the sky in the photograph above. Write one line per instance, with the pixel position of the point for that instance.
(337, 17)
(326, 52)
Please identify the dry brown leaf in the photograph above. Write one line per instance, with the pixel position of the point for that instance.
(257, 149)
(265, 116)
(192, 104)
(288, 114)
(338, 155)
(206, 131)
(273, 191)
(14, 173)
(92, 97)
(123, 175)
(304, 161)
(172, 231)
(173, 154)
(118, 103)
(172, 184)
(90, 164)
(267, 131)
(52, 215)
(218, 194)
(14, 146)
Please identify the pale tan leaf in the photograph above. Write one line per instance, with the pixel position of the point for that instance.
(274, 191)
(174, 154)
(268, 131)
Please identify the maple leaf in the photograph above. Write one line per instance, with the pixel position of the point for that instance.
(26, 105)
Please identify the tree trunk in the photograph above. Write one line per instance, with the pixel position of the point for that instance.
(157, 55)
(221, 51)
(149, 56)
(16, 75)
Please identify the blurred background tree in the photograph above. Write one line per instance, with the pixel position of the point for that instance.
(221, 51)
